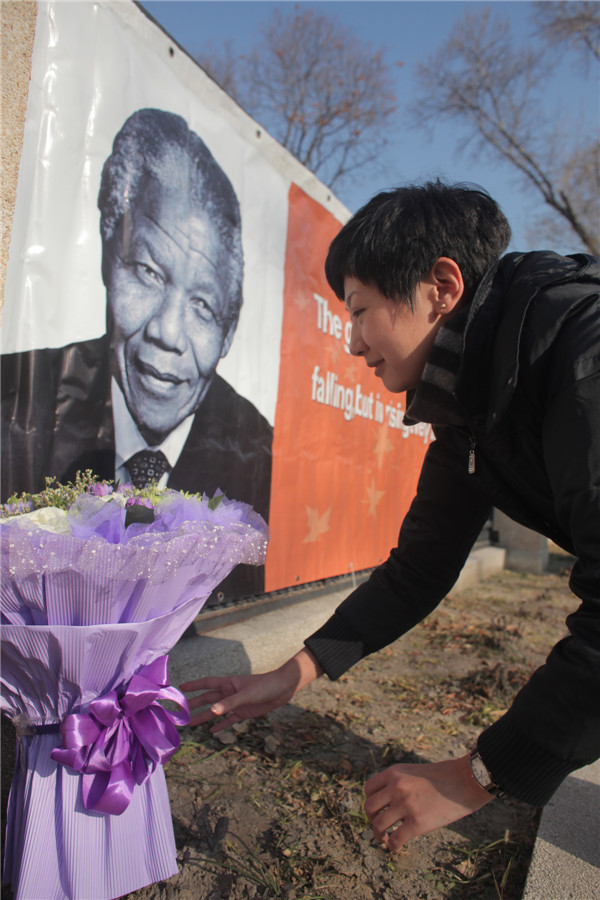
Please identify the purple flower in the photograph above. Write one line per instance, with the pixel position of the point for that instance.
(139, 511)
(20, 506)
(126, 488)
(100, 490)
(139, 501)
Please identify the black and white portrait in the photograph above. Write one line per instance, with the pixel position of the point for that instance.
(145, 401)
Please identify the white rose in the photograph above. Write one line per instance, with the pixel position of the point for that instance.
(49, 517)
(119, 499)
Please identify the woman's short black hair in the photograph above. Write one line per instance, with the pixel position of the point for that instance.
(394, 240)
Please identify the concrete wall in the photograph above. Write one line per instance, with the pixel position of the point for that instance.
(526, 550)
(17, 22)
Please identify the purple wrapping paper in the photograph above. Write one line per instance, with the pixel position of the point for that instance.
(57, 579)
(80, 616)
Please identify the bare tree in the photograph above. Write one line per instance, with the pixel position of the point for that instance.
(222, 65)
(495, 87)
(574, 24)
(580, 180)
(319, 90)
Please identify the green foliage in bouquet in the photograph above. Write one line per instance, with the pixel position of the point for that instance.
(62, 496)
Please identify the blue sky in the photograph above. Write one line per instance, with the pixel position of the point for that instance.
(410, 31)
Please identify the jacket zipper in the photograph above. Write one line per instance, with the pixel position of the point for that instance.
(471, 436)
(471, 465)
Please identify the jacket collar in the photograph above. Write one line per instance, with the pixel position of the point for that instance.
(494, 331)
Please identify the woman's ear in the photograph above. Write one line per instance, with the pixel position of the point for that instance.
(447, 279)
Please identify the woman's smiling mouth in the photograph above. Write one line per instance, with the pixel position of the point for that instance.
(377, 365)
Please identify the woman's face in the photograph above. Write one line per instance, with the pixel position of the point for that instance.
(393, 340)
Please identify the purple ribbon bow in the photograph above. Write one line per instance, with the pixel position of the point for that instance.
(123, 737)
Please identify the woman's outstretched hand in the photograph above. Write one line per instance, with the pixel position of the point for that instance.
(408, 800)
(238, 697)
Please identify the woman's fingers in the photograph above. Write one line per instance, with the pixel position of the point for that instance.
(202, 717)
(216, 705)
(386, 820)
(404, 833)
(203, 699)
(376, 782)
(201, 684)
(408, 800)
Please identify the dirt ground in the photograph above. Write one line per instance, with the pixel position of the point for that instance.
(274, 809)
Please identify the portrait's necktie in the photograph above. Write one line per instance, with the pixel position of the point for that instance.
(147, 466)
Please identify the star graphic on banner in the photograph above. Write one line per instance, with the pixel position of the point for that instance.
(332, 350)
(302, 300)
(317, 524)
(383, 445)
(373, 498)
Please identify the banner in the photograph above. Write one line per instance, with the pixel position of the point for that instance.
(344, 466)
(165, 290)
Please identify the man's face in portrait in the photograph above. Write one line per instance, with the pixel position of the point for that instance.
(169, 307)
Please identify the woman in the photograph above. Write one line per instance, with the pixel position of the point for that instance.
(502, 357)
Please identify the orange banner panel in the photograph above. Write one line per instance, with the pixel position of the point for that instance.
(344, 466)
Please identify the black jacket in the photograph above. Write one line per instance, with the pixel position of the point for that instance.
(529, 384)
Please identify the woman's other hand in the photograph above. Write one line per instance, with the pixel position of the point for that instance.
(408, 800)
(238, 697)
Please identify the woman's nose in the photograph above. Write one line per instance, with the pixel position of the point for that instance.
(357, 345)
(166, 325)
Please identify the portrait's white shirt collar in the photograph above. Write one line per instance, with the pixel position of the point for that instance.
(128, 439)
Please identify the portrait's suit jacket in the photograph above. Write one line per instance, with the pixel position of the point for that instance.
(57, 419)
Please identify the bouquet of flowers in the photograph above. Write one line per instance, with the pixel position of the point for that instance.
(97, 586)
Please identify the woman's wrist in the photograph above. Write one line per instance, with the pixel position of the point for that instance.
(301, 669)
(473, 787)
